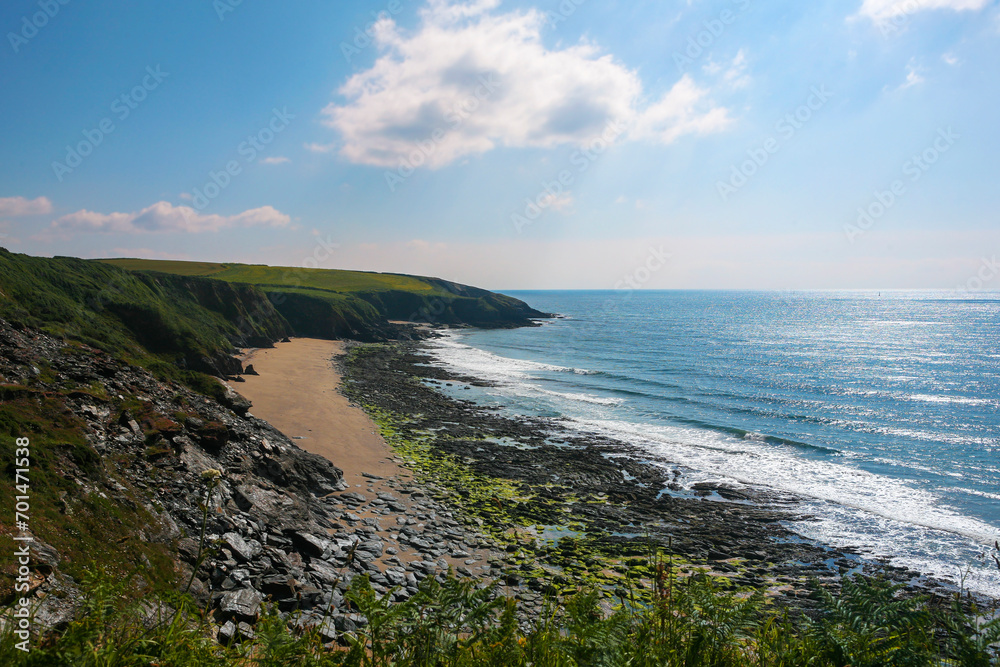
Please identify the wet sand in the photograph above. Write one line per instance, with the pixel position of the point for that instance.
(296, 392)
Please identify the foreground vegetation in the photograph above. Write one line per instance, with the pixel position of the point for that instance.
(692, 622)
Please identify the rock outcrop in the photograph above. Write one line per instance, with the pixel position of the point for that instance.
(279, 525)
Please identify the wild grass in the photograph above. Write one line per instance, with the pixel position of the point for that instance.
(350, 299)
(77, 506)
(135, 316)
(180, 268)
(695, 622)
(333, 280)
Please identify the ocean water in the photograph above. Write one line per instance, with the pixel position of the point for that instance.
(880, 410)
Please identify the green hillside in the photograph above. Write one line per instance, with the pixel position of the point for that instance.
(334, 280)
(354, 299)
(190, 322)
(192, 315)
(168, 266)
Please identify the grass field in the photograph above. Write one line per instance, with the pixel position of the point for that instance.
(168, 266)
(341, 302)
(333, 280)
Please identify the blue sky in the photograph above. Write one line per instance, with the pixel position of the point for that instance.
(572, 144)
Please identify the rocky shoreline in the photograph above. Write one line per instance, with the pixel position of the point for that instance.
(524, 505)
(129, 468)
(570, 509)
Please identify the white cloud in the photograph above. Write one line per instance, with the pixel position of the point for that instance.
(557, 202)
(165, 217)
(469, 80)
(882, 10)
(15, 207)
(913, 77)
(679, 113)
(275, 160)
(736, 75)
(950, 59)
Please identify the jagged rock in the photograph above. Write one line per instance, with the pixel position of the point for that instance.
(325, 574)
(187, 548)
(242, 604)
(279, 586)
(227, 633)
(235, 402)
(238, 546)
(60, 604)
(230, 632)
(250, 370)
(348, 622)
(327, 630)
(310, 544)
(372, 546)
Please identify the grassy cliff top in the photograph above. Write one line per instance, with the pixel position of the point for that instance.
(333, 280)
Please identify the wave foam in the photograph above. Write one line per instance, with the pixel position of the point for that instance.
(751, 462)
(469, 360)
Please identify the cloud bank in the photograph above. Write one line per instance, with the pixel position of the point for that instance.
(882, 10)
(15, 207)
(165, 217)
(469, 80)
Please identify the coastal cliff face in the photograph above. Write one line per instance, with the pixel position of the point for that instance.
(103, 370)
(466, 305)
(116, 481)
(192, 322)
(128, 472)
(160, 315)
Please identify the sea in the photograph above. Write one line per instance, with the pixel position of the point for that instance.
(878, 411)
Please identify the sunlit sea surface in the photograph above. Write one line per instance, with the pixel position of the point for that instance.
(881, 410)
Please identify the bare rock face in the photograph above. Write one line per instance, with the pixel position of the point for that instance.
(152, 448)
(241, 605)
(238, 546)
(235, 402)
(250, 370)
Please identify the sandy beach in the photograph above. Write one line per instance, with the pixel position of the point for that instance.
(296, 392)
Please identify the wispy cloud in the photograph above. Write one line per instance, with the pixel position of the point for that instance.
(680, 112)
(881, 10)
(275, 160)
(16, 207)
(562, 202)
(165, 217)
(736, 75)
(470, 80)
(913, 77)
